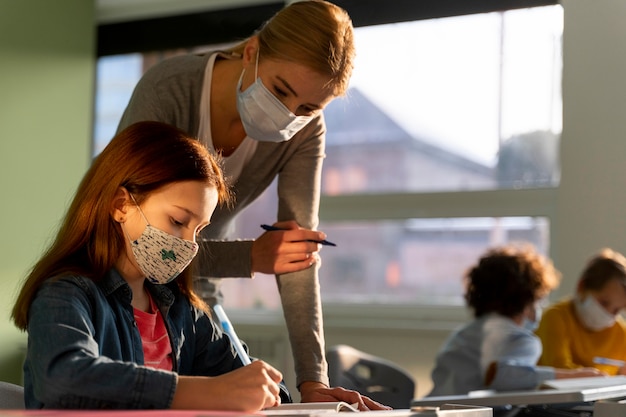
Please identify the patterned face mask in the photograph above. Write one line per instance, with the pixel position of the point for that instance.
(161, 256)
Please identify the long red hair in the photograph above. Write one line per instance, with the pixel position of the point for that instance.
(142, 158)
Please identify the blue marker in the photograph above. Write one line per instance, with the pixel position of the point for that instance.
(607, 361)
(230, 331)
(274, 228)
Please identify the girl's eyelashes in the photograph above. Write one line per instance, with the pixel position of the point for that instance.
(176, 222)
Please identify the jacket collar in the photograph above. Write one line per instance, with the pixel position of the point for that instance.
(113, 283)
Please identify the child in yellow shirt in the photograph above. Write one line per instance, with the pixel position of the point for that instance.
(588, 325)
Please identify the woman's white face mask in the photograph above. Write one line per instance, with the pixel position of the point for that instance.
(264, 117)
(592, 314)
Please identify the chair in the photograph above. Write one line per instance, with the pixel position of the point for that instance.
(375, 377)
(11, 396)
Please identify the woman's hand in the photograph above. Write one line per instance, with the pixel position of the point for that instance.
(250, 388)
(288, 250)
(318, 392)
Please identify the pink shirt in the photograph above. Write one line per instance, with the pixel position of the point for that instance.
(157, 350)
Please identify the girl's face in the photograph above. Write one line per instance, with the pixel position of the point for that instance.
(612, 297)
(181, 209)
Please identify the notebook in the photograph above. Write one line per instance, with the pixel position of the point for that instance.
(584, 383)
(292, 409)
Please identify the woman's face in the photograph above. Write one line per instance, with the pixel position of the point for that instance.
(612, 296)
(303, 91)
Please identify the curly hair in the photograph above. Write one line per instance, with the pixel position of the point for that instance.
(507, 279)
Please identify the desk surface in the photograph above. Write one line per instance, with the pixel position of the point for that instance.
(450, 410)
(123, 413)
(547, 396)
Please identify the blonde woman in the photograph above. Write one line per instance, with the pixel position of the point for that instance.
(260, 106)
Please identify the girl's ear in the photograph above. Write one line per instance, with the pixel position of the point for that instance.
(119, 206)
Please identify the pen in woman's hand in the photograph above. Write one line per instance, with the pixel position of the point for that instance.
(270, 228)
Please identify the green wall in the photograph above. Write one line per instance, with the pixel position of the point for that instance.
(47, 69)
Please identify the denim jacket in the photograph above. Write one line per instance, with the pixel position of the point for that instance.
(85, 351)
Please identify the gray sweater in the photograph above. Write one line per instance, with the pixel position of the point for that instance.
(170, 92)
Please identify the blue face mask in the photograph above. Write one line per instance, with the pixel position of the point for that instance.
(264, 117)
(532, 324)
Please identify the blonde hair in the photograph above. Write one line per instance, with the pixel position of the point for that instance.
(314, 33)
(603, 267)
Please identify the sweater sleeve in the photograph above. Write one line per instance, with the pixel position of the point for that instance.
(299, 195)
(515, 351)
(512, 375)
(225, 259)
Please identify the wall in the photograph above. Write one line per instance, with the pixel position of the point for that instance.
(592, 199)
(46, 80)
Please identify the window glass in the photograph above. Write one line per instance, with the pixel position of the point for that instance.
(469, 102)
(116, 76)
(412, 261)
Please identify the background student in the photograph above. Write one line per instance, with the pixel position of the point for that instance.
(111, 315)
(259, 104)
(578, 329)
(498, 350)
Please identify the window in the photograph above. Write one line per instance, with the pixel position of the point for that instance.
(445, 144)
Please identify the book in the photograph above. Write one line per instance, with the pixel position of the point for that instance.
(291, 409)
(584, 382)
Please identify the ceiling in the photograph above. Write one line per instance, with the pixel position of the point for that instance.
(114, 11)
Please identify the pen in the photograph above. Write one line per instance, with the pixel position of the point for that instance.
(274, 228)
(607, 361)
(230, 331)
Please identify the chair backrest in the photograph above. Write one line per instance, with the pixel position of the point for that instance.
(373, 376)
(11, 396)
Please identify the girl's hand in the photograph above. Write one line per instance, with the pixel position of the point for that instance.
(249, 388)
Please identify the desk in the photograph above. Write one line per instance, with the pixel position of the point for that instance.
(122, 413)
(505, 403)
(449, 410)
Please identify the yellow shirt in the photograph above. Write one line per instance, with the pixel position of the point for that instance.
(568, 344)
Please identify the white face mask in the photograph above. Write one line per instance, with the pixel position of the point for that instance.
(264, 117)
(592, 314)
(161, 256)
